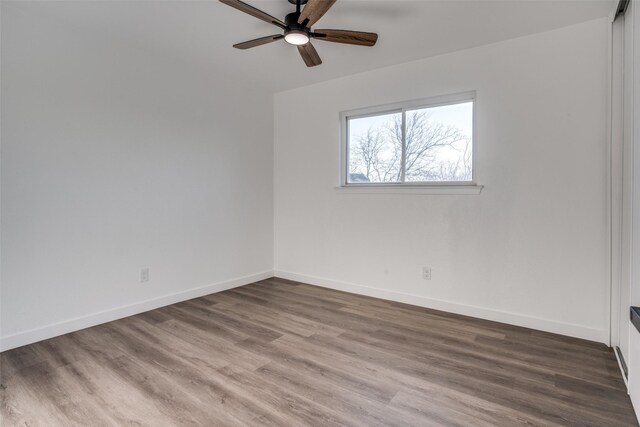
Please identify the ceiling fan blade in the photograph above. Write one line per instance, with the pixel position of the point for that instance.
(313, 11)
(359, 38)
(258, 42)
(309, 55)
(257, 13)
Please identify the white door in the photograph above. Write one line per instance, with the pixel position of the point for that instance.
(627, 188)
(631, 192)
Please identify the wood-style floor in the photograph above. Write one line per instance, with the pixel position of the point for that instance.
(288, 354)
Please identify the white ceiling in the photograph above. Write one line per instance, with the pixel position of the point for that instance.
(204, 31)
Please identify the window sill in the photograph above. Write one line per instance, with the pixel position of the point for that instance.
(405, 189)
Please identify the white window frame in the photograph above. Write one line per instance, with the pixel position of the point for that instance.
(450, 187)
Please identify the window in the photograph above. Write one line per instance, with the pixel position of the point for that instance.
(418, 143)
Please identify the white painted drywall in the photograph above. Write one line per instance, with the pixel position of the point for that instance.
(531, 249)
(116, 158)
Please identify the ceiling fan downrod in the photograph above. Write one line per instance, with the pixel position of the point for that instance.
(298, 3)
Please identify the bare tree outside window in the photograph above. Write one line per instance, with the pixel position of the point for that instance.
(431, 144)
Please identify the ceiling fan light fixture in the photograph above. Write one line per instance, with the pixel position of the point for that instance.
(297, 31)
(296, 37)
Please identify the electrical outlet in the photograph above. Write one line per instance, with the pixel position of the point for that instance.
(144, 275)
(426, 273)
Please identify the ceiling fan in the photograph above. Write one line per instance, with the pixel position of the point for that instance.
(297, 28)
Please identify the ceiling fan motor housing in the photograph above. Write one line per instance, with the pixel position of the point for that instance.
(291, 21)
(294, 32)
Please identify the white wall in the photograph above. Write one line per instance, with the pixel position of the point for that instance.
(114, 159)
(531, 249)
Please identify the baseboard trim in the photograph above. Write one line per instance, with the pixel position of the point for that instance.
(71, 325)
(622, 365)
(568, 329)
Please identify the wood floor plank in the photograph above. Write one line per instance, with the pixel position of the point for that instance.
(299, 410)
(280, 353)
(370, 389)
(398, 374)
(285, 322)
(401, 372)
(359, 409)
(218, 349)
